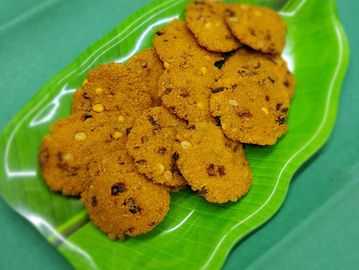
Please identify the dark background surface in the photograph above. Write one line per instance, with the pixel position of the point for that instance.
(315, 229)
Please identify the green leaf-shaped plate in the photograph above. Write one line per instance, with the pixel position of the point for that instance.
(195, 234)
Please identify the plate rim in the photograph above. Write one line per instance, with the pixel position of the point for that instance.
(224, 246)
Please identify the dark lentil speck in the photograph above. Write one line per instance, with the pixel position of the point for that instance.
(86, 116)
(210, 170)
(191, 127)
(281, 120)
(132, 205)
(286, 83)
(93, 201)
(128, 130)
(168, 90)
(175, 156)
(236, 148)
(271, 79)
(130, 230)
(230, 12)
(258, 65)
(203, 191)
(217, 90)
(152, 120)
(85, 96)
(246, 114)
(162, 150)
(134, 209)
(252, 32)
(140, 161)
(159, 32)
(59, 156)
(117, 189)
(153, 223)
(184, 93)
(221, 171)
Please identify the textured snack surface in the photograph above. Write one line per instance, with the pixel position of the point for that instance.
(213, 166)
(257, 27)
(150, 143)
(248, 112)
(175, 44)
(73, 143)
(125, 204)
(261, 67)
(148, 68)
(206, 21)
(113, 88)
(190, 72)
(186, 92)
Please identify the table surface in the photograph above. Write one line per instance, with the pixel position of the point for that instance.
(315, 229)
